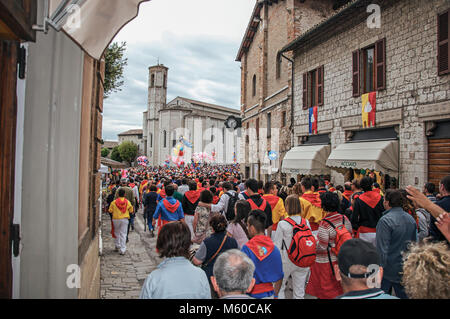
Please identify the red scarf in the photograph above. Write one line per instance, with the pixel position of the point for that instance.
(272, 200)
(192, 196)
(261, 245)
(347, 194)
(162, 193)
(171, 207)
(378, 190)
(215, 199)
(313, 198)
(121, 204)
(132, 185)
(370, 198)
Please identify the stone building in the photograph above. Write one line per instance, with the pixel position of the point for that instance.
(51, 98)
(404, 60)
(266, 80)
(135, 136)
(200, 123)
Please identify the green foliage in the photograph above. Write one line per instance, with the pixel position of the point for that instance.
(128, 151)
(115, 63)
(105, 152)
(115, 154)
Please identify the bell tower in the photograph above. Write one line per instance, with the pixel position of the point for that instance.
(157, 99)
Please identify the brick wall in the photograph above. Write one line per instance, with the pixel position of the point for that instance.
(410, 29)
(281, 23)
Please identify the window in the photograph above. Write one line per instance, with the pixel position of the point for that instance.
(152, 82)
(151, 140)
(257, 129)
(278, 64)
(165, 81)
(269, 124)
(174, 139)
(165, 138)
(369, 69)
(254, 85)
(443, 43)
(212, 133)
(283, 119)
(313, 91)
(247, 139)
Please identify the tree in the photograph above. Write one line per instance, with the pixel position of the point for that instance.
(128, 151)
(115, 154)
(115, 63)
(105, 152)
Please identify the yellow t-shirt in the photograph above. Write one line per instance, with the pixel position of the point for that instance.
(278, 211)
(310, 212)
(117, 213)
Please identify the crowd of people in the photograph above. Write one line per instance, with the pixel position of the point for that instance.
(225, 237)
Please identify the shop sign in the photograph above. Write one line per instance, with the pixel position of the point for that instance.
(348, 164)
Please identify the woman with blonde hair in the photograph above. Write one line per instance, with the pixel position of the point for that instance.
(283, 237)
(426, 271)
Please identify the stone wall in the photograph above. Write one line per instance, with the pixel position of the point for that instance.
(412, 82)
(281, 23)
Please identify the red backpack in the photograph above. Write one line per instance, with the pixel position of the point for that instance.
(302, 251)
(342, 235)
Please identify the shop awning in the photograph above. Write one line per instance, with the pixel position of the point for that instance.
(92, 23)
(309, 159)
(110, 163)
(379, 156)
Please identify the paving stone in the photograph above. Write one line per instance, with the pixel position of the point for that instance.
(122, 277)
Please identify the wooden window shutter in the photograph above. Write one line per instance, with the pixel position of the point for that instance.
(320, 79)
(305, 91)
(380, 65)
(443, 43)
(356, 66)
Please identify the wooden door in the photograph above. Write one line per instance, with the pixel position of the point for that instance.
(438, 159)
(8, 112)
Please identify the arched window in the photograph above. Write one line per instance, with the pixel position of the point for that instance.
(152, 82)
(254, 85)
(165, 81)
(165, 138)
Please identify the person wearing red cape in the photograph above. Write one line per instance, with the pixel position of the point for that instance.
(168, 209)
(367, 211)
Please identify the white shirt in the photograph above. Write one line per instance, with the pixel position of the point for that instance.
(222, 205)
(284, 233)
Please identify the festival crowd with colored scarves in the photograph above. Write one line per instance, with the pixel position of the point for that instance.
(222, 212)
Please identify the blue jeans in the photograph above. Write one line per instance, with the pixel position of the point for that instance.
(387, 287)
(149, 220)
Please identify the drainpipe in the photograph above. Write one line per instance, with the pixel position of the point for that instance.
(291, 128)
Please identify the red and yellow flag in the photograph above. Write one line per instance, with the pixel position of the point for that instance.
(369, 103)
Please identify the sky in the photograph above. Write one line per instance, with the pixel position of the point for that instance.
(198, 40)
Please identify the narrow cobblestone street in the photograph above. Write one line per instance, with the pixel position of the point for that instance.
(122, 277)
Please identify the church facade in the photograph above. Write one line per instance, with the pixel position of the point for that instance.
(202, 124)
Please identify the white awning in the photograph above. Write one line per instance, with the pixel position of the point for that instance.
(103, 169)
(379, 156)
(310, 159)
(92, 23)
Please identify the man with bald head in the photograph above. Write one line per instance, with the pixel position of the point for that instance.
(233, 275)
